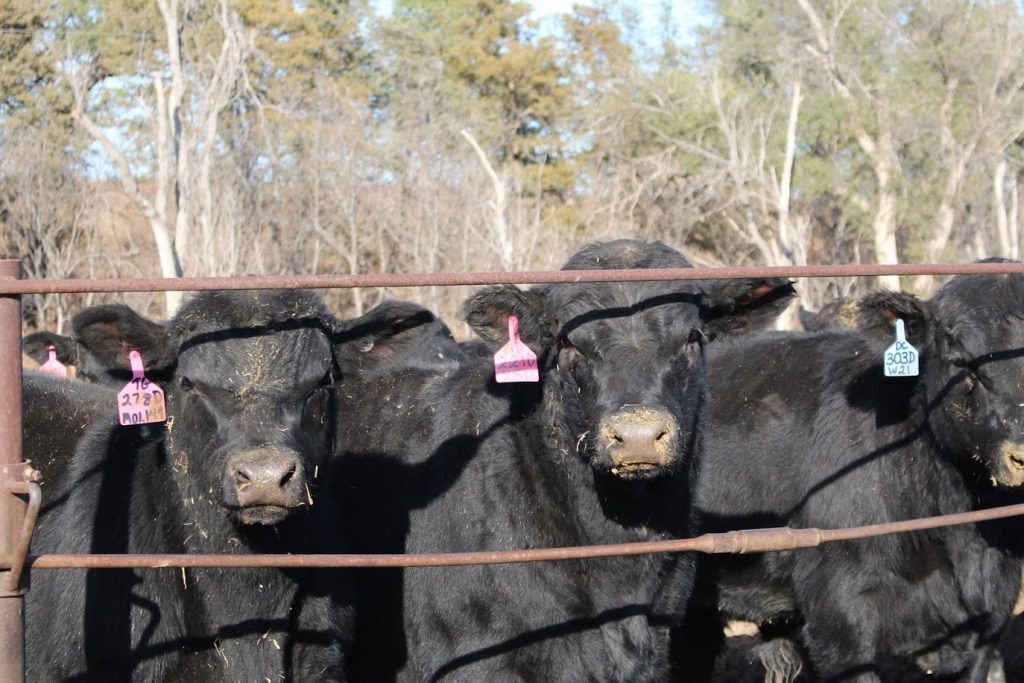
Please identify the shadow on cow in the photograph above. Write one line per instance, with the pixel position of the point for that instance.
(238, 468)
(445, 459)
(806, 431)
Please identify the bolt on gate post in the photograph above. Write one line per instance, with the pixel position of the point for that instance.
(12, 602)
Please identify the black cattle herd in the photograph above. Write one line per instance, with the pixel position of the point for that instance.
(663, 410)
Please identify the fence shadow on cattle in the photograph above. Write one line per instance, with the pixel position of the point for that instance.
(379, 524)
(385, 474)
(526, 638)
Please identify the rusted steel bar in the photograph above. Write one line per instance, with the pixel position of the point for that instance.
(858, 532)
(155, 284)
(28, 525)
(738, 542)
(12, 603)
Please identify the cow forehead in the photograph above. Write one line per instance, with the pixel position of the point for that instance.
(996, 300)
(648, 309)
(998, 353)
(276, 362)
(984, 329)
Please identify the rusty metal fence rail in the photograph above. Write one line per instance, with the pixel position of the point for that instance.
(16, 515)
(735, 542)
(190, 284)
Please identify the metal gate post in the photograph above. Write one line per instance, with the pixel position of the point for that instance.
(12, 602)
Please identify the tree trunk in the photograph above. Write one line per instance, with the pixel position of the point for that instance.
(999, 209)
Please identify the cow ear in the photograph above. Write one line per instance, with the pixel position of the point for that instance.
(487, 312)
(37, 347)
(809, 319)
(109, 332)
(394, 333)
(738, 306)
(838, 314)
(878, 312)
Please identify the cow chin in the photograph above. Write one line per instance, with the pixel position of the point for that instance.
(638, 470)
(267, 515)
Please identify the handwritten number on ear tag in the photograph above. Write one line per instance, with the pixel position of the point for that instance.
(901, 358)
(515, 362)
(53, 366)
(141, 401)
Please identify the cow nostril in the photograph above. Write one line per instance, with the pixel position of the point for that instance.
(242, 478)
(616, 438)
(663, 435)
(288, 475)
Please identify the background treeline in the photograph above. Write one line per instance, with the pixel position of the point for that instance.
(149, 137)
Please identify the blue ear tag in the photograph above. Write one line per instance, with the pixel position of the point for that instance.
(901, 357)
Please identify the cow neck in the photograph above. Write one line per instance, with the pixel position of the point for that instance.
(967, 475)
(133, 479)
(268, 592)
(904, 417)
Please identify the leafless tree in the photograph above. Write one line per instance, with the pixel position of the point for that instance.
(182, 117)
(46, 219)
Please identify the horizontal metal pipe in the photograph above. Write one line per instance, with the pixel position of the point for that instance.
(156, 284)
(737, 542)
(871, 530)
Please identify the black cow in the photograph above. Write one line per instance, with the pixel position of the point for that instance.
(237, 468)
(57, 412)
(71, 351)
(806, 431)
(443, 458)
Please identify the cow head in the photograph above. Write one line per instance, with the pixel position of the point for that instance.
(37, 347)
(979, 341)
(622, 364)
(71, 352)
(394, 334)
(971, 339)
(248, 379)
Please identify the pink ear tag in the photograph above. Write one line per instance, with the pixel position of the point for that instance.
(515, 362)
(53, 366)
(141, 401)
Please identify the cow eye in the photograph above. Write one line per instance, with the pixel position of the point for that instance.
(567, 347)
(186, 384)
(970, 366)
(569, 354)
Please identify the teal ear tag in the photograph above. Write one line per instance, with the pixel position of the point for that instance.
(901, 357)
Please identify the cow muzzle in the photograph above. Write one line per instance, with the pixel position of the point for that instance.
(266, 484)
(1010, 467)
(640, 442)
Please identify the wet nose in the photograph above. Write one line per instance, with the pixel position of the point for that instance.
(640, 438)
(267, 477)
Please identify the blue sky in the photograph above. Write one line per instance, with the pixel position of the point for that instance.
(687, 15)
